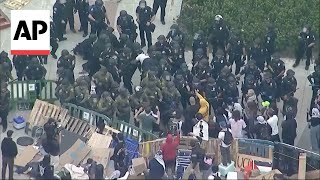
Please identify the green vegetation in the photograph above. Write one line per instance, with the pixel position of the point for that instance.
(252, 16)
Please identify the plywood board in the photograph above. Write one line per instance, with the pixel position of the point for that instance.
(25, 156)
(98, 141)
(16, 4)
(78, 151)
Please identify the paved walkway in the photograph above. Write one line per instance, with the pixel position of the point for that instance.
(173, 11)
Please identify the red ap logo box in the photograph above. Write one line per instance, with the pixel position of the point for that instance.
(30, 33)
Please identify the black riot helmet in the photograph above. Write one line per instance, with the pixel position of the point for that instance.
(161, 39)
(199, 53)
(108, 47)
(199, 35)
(137, 47)
(174, 28)
(290, 73)
(142, 4)
(127, 51)
(98, 3)
(218, 19)
(249, 79)
(93, 37)
(211, 81)
(219, 54)
(267, 76)
(251, 64)
(123, 13)
(175, 48)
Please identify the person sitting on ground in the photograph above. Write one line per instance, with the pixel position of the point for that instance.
(169, 149)
(45, 169)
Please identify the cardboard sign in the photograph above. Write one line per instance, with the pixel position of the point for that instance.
(138, 165)
(243, 160)
(26, 156)
(99, 141)
(78, 151)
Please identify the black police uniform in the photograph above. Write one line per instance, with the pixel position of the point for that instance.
(212, 93)
(127, 26)
(219, 35)
(270, 44)
(278, 67)
(177, 58)
(235, 53)
(305, 40)
(314, 80)
(144, 16)
(53, 41)
(69, 11)
(199, 43)
(230, 94)
(216, 65)
(20, 64)
(164, 48)
(176, 34)
(252, 71)
(258, 55)
(83, 10)
(162, 4)
(268, 90)
(35, 72)
(58, 18)
(98, 13)
(288, 86)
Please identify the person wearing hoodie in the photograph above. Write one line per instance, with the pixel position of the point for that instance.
(157, 167)
(289, 128)
(9, 152)
(169, 149)
(204, 106)
(315, 129)
(189, 113)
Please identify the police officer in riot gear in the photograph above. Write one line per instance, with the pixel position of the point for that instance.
(67, 61)
(268, 88)
(231, 92)
(306, 42)
(53, 42)
(82, 7)
(97, 17)
(183, 87)
(175, 34)
(128, 68)
(123, 106)
(126, 25)
(277, 69)
(314, 79)
(270, 42)
(199, 42)
(289, 84)
(145, 17)
(82, 94)
(176, 58)
(106, 55)
(59, 19)
(257, 53)
(199, 54)
(218, 62)
(251, 69)
(20, 64)
(237, 52)
(213, 94)
(163, 46)
(218, 34)
(70, 9)
(35, 71)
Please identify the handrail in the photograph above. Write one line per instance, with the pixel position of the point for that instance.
(126, 128)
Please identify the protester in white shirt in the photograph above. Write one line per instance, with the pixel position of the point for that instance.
(237, 124)
(273, 122)
(225, 137)
(201, 129)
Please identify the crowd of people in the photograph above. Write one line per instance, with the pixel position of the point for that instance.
(205, 99)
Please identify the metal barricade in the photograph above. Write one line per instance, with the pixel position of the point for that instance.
(91, 116)
(23, 94)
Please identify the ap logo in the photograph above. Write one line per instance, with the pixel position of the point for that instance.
(30, 33)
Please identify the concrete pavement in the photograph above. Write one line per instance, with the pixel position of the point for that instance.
(173, 11)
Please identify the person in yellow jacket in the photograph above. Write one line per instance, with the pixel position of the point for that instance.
(204, 107)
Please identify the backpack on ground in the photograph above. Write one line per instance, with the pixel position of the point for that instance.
(228, 138)
(265, 132)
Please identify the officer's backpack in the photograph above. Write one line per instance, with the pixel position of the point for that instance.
(228, 138)
(265, 132)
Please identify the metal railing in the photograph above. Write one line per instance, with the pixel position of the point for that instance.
(92, 117)
(24, 93)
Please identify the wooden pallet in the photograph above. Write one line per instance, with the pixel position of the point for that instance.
(78, 126)
(42, 111)
(16, 4)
